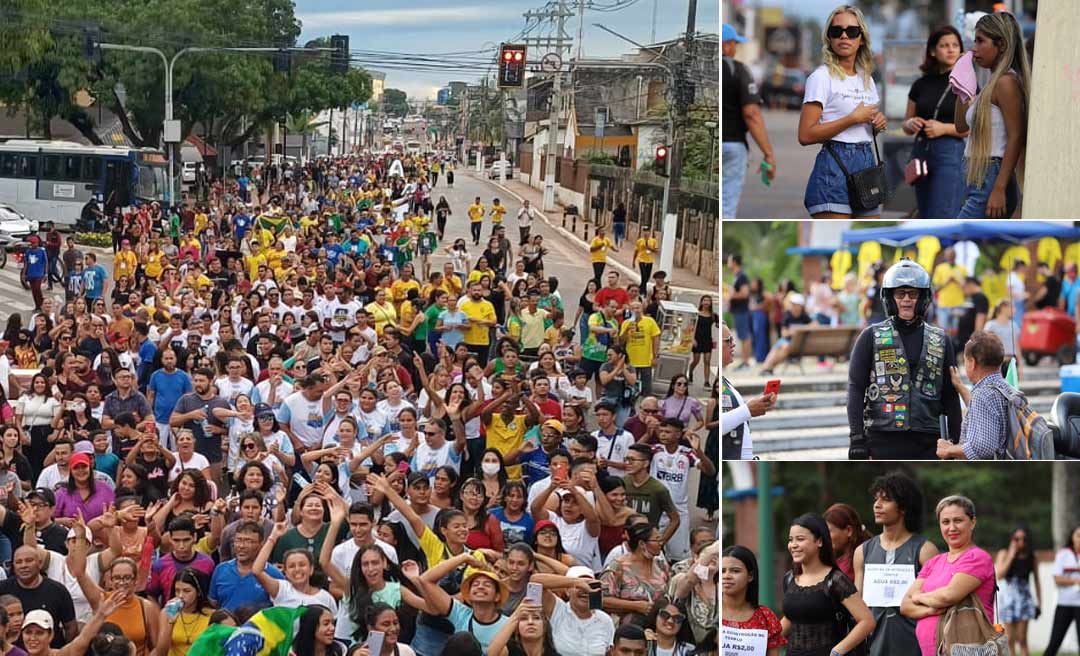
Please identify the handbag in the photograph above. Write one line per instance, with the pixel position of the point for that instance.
(918, 168)
(866, 188)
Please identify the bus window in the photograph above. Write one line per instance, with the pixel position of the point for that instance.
(72, 167)
(8, 165)
(118, 175)
(91, 169)
(52, 167)
(26, 166)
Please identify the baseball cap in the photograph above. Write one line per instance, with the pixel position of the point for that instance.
(417, 477)
(542, 524)
(80, 459)
(40, 618)
(45, 494)
(797, 299)
(731, 34)
(555, 424)
(263, 409)
(580, 572)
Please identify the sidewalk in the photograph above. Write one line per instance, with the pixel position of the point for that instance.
(684, 285)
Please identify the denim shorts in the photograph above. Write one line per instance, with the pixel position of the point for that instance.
(734, 158)
(826, 190)
(976, 197)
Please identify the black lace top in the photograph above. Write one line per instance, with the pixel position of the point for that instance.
(812, 613)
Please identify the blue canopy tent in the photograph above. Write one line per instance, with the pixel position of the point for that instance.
(953, 231)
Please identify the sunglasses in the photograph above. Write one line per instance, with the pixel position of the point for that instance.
(677, 618)
(852, 31)
(248, 447)
(899, 294)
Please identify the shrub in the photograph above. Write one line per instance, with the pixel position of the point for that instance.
(100, 239)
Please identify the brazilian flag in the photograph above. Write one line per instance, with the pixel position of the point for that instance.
(269, 632)
(274, 224)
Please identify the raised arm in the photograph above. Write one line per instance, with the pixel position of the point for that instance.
(269, 583)
(438, 602)
(383, 486)
(338, 512)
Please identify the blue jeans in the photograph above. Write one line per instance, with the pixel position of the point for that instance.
(941, 193)
(826, 190)
(760, 334)
(734, 156)
(977, 197)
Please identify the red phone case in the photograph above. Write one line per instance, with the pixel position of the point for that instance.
(772, 387)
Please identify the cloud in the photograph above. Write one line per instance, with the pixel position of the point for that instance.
(405, 17)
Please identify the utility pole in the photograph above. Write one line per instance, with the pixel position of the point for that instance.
(559, 44)
(683, 97)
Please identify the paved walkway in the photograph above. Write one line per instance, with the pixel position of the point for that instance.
(686, 285)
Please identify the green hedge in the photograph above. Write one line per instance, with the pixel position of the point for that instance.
(101, 239)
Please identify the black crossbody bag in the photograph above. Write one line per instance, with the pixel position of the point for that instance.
(866, 188)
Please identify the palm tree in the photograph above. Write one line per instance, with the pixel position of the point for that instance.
(303, 123)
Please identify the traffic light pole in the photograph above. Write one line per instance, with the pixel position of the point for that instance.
(681, 117)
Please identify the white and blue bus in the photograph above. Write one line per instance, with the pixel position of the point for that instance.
(53, 180)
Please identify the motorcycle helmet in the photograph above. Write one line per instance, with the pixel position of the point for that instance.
(906, 273)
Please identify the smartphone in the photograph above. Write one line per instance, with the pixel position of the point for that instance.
(534, 593)
(299, 479)
(765, 168)
(772, 387)
(374, 642)
(702, 572)
(559, 471)
(596, 596)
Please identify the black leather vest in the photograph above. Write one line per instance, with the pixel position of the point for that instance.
(895, 402)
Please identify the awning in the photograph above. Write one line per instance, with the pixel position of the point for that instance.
(953, 231)
(205, 149)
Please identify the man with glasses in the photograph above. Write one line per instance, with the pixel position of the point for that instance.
(643, 425)
(898, 382)
(735, 411)
(646, 495)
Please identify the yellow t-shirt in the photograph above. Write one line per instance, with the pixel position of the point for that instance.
(638, 336)
(476, 274)
(840, 262)
(153, 266)
(382, 315)
(598, 249)
(399, 290)
(201, 221)
(476, 212)
(646, 250)
(188, 627)
(253, 262)
(125, 263)
(452, 285)
(497, 213)
(505, 437)
(947, 279)
(477, 335)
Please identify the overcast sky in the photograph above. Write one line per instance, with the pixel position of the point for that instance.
(440, 26)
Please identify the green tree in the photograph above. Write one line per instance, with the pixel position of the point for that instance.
(395, 102)
(303, 123)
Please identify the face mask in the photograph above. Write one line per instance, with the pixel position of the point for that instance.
(490, 468)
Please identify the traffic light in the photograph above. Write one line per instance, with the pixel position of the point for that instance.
(511, 65)
(339, 59)
(91, 49)
(661, 159)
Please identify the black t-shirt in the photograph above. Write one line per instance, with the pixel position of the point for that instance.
(53, 537)
(977, 304)
(1053, 290)
(740, 90)
(790, 320)
(740, 304)
(925, 92)
(51, 597)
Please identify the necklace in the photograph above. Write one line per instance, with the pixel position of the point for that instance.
(184, 625)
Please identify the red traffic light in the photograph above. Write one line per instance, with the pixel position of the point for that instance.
(661, 152)
(518, 56)
(507, 55)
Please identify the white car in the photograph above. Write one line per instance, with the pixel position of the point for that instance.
(493, 172)
(14, 224)
(189, 172)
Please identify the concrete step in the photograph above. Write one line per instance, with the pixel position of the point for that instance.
(797, 434)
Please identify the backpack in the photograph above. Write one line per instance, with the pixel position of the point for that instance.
(964, 631)
(843, 622)
(1029, 435)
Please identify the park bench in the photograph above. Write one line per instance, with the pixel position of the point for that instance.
(811, 341)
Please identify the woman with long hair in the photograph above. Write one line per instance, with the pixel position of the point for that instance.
(1015, 566)
(840, 111)
(633, 582)
(189, 492)
(444, 487)
(679, 403)
(1067, 581)
(384, 619)
(997, 119)
(1001, 324)
(315, 633)
(741, 609)
(815, 582)
(296, 588)
(493, 475)
(527, 633)
(847, 532)
(11, 455)
(513, 516)
(931, 109)
(82, 494)
(34, 413)
(668, 627)
(951, 576)
(180, 629)
(484, 529)
(704, 344)
(586, 307)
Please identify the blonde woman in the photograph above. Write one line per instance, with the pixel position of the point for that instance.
(997, 118)
(840, 111)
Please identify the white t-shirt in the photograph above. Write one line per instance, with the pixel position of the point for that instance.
(577, 542)
(426, 460)
(229, 390)
(198, 461)
(375, 421)
(304, 418)
(290, 597)
(839, 98)
(1066, 559)
(573, 635)
(262, 392)
(341, 316)
(59, 572)
(613, 448)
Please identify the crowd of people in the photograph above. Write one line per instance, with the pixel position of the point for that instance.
(850, 592)
(275, 399)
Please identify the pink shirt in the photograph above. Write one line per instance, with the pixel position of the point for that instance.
(938, 572)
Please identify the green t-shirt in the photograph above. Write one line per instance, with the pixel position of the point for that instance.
(652, 499)
(294, 540)
(432, 314)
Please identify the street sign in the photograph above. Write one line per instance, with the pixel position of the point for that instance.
(551, 62)
(601, 120)
(172, 131)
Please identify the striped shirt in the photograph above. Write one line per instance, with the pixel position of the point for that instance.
(983, 432)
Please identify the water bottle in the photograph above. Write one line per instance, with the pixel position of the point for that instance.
(173, 608)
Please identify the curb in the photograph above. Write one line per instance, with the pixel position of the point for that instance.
(574, 239)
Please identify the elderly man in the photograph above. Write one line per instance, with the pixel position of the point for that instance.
(986, 424)
(736, 411)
